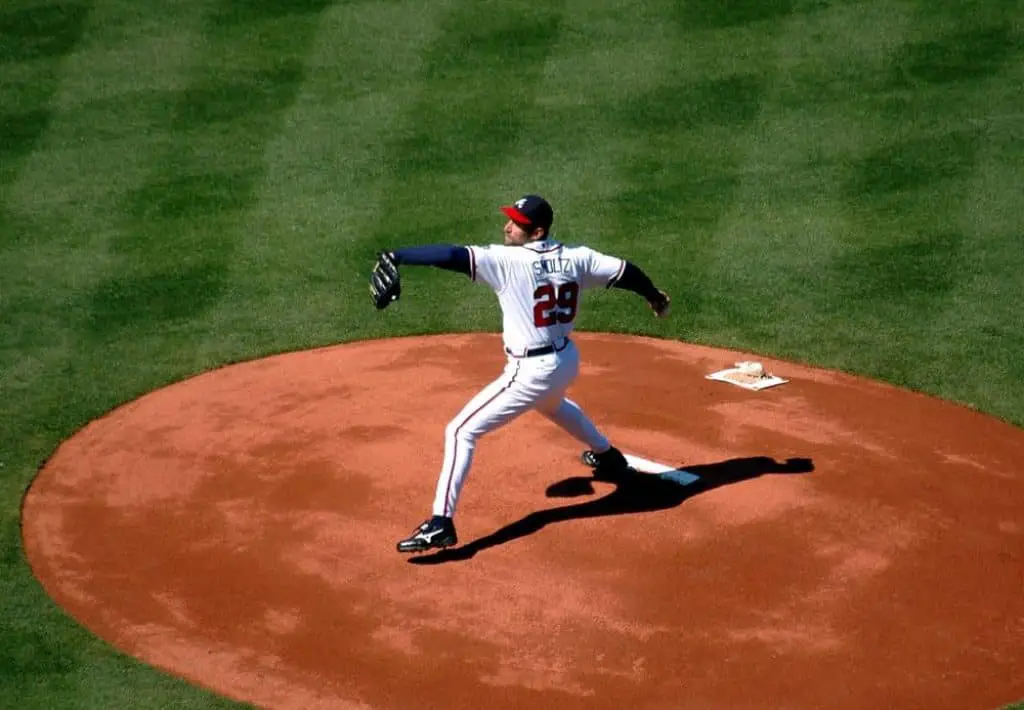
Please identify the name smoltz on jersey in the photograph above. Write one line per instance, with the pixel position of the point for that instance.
(538, 286)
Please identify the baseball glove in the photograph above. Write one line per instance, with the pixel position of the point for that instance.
(385, 282)
(661, 304)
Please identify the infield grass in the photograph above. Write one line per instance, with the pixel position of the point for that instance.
(193, 183)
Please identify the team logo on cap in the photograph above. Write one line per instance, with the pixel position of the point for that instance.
(520, 203)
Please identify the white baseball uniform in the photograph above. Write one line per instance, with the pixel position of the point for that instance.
(538, 286)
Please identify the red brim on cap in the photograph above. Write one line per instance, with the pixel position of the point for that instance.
(516, 216)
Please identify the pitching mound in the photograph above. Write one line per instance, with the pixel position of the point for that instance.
(834, 543)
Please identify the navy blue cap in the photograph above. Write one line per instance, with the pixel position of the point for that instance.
(531, 211)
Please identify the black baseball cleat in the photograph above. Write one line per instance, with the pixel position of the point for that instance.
(436, 533)
(608, 464)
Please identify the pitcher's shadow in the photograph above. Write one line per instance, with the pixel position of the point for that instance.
(633, 493)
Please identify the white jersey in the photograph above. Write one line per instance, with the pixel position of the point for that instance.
(538, 287)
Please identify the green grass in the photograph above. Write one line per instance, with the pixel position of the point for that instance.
(193, 183)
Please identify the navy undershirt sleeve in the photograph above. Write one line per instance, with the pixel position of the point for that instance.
(634, 279)
(443, 256)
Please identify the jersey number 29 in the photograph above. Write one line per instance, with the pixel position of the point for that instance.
(555, 304)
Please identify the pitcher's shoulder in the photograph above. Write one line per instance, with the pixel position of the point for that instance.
(580, 252)
(494, 251)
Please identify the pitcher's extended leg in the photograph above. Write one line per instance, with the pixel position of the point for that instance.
(496, 405)
(568, 415)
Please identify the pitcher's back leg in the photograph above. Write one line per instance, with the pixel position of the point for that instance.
(571, 417)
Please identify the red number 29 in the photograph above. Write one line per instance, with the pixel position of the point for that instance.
(555, 304)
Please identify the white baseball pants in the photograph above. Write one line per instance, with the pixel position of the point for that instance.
(527, 383)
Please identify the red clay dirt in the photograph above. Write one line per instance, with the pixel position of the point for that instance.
(237, 529)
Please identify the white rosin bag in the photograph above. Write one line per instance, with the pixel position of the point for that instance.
(748, 375)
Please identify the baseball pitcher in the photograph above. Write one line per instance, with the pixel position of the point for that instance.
(539, 283)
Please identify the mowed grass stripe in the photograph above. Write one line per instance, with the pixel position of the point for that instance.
(606, 141)
(896, 295)
(184, 221)
(672, 168)
(101, 102)
(477, 83)
(65, 199)
(785, 221)
(305, 252)
(72, 228)
(80, 291)
(33, 42)
(54, 244)
(33, 31)
(978, 332)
